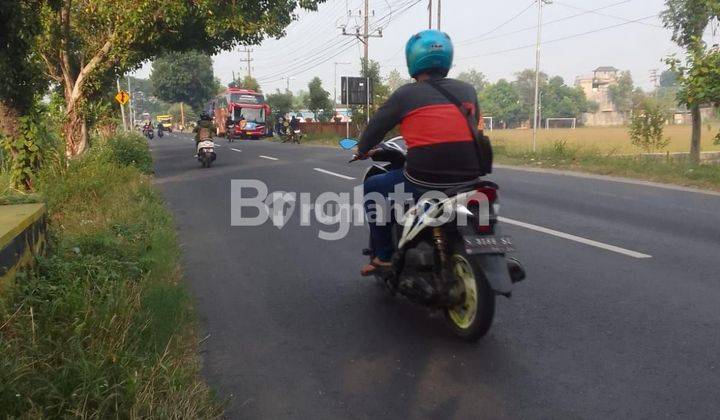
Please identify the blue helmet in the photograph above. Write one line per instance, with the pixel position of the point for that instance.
(429, 50)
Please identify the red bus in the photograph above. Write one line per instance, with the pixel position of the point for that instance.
(245, 111)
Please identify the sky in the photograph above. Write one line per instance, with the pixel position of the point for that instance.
(495, 37)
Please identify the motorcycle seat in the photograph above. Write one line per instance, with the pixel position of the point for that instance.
(469, 186)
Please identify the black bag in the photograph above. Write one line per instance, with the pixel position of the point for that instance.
(483, 148)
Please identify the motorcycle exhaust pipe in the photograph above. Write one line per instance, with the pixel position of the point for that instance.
(516, 270)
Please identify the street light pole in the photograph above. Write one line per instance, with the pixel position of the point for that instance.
(430, 14)
(439, 17)
(537, 71)
(122, 107)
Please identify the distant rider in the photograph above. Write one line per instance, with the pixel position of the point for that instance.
(441, 146)
(205, 129)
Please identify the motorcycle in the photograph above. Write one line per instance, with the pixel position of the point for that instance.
(456, 268)
(160, 132)
(206, 152)
(148, 132)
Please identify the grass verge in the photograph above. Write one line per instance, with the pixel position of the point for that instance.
(566, 155)
(560, 155)
(102, 327)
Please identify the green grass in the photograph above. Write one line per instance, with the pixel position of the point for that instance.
(102, 327)
(569, 154)
(560, 155)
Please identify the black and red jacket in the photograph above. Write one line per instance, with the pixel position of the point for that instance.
(440, 145)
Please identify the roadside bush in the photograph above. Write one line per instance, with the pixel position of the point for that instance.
(130, 149)
(646, 127)
(102, 328)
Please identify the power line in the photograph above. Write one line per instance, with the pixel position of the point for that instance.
(596, 12)
(314, 61)
(557, 39)
(550, 22)
(520, 13)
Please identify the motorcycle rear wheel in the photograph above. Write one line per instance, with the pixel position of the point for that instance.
(473, 317)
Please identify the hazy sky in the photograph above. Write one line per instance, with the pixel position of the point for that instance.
(496, 37)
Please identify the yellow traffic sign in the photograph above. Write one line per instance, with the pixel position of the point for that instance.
(122, 97)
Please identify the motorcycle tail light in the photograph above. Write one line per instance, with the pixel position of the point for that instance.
(490, 193)
(487, 196)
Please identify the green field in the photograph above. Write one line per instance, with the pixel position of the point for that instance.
(608, 140)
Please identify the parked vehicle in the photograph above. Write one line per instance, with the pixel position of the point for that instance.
(456, 268)
(206, 152)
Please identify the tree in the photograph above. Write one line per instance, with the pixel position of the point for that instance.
(688, 20)
(318, 100)
(280, 102)
(248, 82)
(395, 80)
(22, 80)
(502, 102)
(299, 100)
(184, 77)
(646, 126)
(473, 77)
(177, 113)
(524, 85)
(380, 92)
(562, 101)
(668, 78)
(621, 93)
(85, 44)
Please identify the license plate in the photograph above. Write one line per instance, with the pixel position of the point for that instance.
(207, 150)
(488, 244)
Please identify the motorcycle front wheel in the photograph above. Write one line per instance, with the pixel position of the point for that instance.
(472, 317)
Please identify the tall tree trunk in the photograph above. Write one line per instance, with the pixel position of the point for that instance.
(75, 130)
(9, 123)
(696, 132)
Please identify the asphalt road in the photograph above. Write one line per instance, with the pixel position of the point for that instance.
(619, 316)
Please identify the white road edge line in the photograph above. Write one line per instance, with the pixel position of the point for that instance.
(574, 238)
(237, 150)
(268, 157)
(334, 174)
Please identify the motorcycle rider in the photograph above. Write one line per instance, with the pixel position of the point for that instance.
(442, 148)
(204, 129)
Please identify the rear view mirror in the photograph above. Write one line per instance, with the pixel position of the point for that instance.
(348, 144)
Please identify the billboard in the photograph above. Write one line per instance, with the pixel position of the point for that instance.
(357, 93)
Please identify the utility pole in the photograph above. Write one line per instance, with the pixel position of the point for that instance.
(655, 80)
(439, 22)
(366, 34)
(537, 72)
(247, 60)
(429, 14)
(130, 105)
(364, 37)
(287, 82)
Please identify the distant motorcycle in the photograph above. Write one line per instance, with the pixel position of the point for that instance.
(206, 152)
(160, 132)
(457, 269)
(292, 136)
(148, 132)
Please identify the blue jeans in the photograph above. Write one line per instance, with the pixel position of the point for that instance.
(381, 233)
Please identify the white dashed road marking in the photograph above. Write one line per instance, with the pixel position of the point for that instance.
(574, 238)
(268, 157)
(333, 174)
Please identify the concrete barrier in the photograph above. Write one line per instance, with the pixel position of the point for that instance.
(22, 237)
